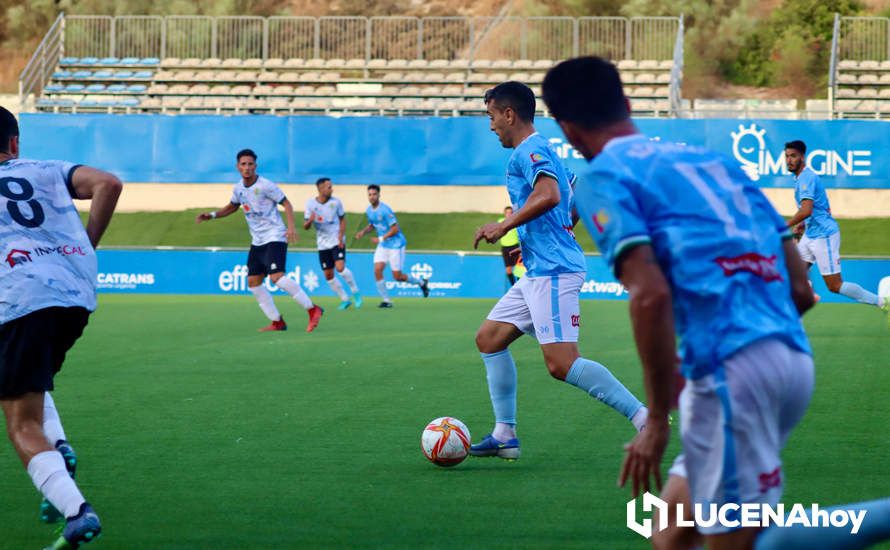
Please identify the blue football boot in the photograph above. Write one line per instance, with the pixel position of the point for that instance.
(80, 529)
(489, 446)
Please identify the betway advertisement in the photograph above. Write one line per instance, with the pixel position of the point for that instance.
(451, 275)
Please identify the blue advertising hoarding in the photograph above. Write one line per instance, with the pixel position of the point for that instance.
(452, 275)
(419, 151)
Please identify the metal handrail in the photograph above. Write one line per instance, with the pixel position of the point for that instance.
(38, 61)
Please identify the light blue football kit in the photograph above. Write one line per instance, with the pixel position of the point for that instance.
(544, 303)
(719, 243)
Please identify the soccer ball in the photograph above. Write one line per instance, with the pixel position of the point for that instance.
(445, 441)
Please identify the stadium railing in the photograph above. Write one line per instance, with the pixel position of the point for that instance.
(338, 65)
(859, 71)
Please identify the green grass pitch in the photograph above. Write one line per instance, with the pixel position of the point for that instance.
(194, 431)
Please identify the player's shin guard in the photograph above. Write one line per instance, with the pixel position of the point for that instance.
(381, 289)
(500, 370)
(52, 424)
(350, 280)
(856, 292)
(601, 384)
(296, 292)
(338, 289)
(267, 304)
(48, 472)
(874, 527)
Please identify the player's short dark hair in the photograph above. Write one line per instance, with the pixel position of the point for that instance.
(586, 91)
(9, 128)
(319, 181)
(515, 95)
(245, 153)
(797, 145)
(374, 186)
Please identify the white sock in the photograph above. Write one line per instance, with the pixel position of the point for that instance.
(47, 471)
(856, 292)
(414, 280)
(295, 290)
(639, 418)
(350, 280)
(267, 304)
(338, 289)
(52, 424)
(381, 289)
(503, 432)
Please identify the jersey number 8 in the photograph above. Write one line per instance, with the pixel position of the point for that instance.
(25, 195)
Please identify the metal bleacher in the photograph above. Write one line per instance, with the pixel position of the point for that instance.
(859, 74)
(335, 65)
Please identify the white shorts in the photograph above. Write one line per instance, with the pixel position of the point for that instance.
(545, 308)
(395, 257)
(825, 252)
(734, 423)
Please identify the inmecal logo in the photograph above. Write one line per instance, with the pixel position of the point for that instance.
(16, 257)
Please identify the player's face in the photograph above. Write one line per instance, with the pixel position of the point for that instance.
(499, 124)
(794, 160)
(508, 211)
(326, 189)
(373, 197)
(247, 167)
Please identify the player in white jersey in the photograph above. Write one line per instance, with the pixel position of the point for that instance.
(326, 212)
(259, 197)
(47, 291)
(390, 243)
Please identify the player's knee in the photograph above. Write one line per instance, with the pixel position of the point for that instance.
(675, 538)
(834, 286)
(557, 368)
(486, 342)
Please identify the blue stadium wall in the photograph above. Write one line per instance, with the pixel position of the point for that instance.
(419, 151)
(452, 275)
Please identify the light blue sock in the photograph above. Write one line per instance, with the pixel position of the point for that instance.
(501, 373)
(875, 528)
(414, 280)
(599, 383)
(856, 292)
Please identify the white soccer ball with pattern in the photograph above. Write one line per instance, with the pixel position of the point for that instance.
(445, 441)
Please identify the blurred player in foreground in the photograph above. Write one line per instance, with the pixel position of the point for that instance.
(47, 292)
(544, 303)
(269, 237)
(327, 214)
(699, 248)
(820, 235)
(390, 249)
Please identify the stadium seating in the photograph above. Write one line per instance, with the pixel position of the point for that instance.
(862, 89)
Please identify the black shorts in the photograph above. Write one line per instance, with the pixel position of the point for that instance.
(509, 259)
(33, 347)
(266, 259)
(328, 257)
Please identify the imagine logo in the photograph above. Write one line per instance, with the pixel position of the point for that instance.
(756, 160)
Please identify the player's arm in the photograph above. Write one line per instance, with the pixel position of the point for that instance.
(801, 291)
(226, 210)
(292, 235)
(103, 189)
(308, 218)
(544, 197)
(804, 212)
(652, 319)
(391, 232)
(364, 231)
(341, 234)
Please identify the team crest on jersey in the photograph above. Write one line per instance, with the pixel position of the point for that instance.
(536, 158)
(600, 220)
(756, 264)
(246, 207)
(16, 257)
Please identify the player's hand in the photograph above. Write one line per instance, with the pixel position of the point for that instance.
(643, 457)
(375, 240)
(342, 241)
(491, 232)
(799, 228)
(516, 252)
(203, 217)
(292, 236)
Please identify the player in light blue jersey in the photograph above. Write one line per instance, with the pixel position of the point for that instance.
(820, 236)
(47, 292)
(544, 303)
(391, 245)
(706, 258)
(260, 197)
